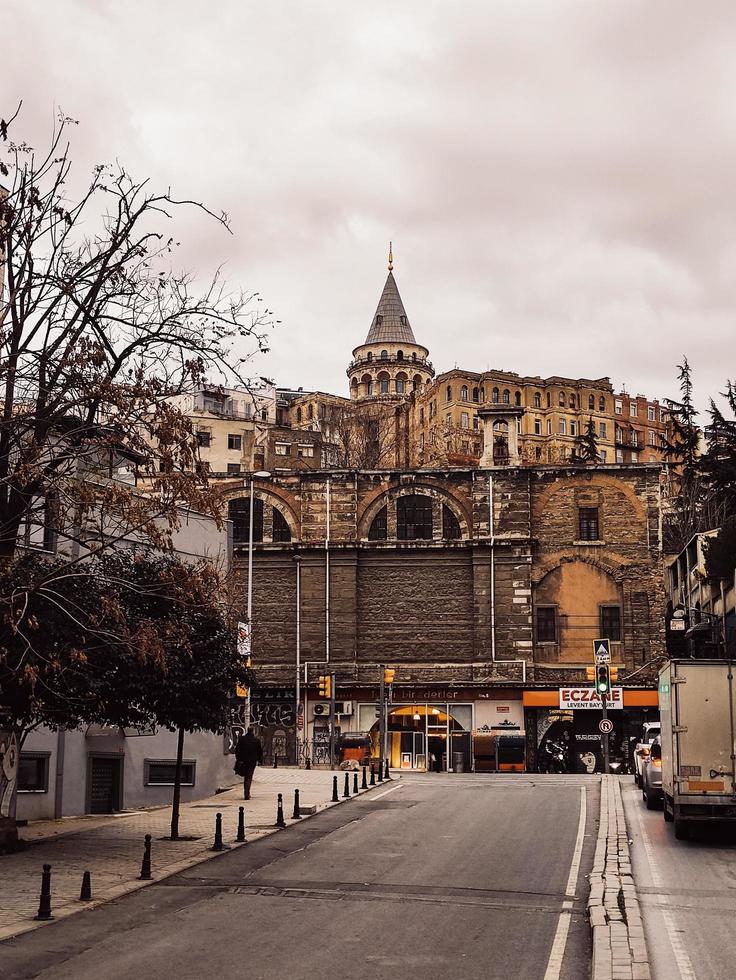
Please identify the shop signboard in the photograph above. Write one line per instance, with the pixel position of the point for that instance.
(588, 699)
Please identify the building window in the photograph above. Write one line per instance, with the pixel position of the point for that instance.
(383, 383)
(421, 440)
(378, 530)
(370, 388)
(476, 394)
(601, 404)
(603, 455)
(591, 401)
(162, 772)
(546, 624)
(369, 356)
(298, 414)
(602, 430)
(619, 456)
(305, 452)
(400, 355)
(283, 449)
(464, 420)
(538, 453)
(561, 399)
(464, 393)
(652, 437)
(204, 439)
(482, 394)
(494, 396)
(618, 407)
(517, 399)
(635, 457)
(651, 413)
(549, 427)
(476, 423)
(537, 427)
(450, 525)
(234, 441)
(238, 511)
(572, 401)
(611, 622)
(264, 415)
(448, 420)
(506, 396)
(573, 428)
(633, 409)
(549, 399)
(588, 529)
(563, 427)
(310, 411)
(414, 517)
(448, 393)
(537, 399)
(421, 414)
(281, 529)
(233, 469)
(384, 355)
(400, 386)
(33, 772)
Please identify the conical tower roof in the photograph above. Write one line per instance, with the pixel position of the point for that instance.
(390, 323)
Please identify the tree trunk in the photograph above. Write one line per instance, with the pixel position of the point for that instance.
(177, 786)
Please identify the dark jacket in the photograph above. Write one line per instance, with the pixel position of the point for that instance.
(249, 749)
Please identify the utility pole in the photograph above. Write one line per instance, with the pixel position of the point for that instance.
(332, 721)
(604, 735)
(381, 716)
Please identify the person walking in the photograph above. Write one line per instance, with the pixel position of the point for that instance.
(248, 753)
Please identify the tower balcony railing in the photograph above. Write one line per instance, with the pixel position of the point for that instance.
(406, 362)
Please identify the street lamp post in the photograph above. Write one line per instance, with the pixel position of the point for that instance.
(258, 475)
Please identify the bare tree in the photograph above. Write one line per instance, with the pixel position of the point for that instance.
(97, 331)
(364, 435)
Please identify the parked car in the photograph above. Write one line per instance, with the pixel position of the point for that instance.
(649, 731)
(651, 776)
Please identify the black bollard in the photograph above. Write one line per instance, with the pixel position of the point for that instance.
(388, 774)
(145, 874)
(373, 775)
(296, 814)
(380, 771)
(364, 783)
(308, 763)
(218, 845)
(346, 787)
(241, 826)
(85, 894)
(280, 822)
(335, 797)
(355, 783)
(44, 905)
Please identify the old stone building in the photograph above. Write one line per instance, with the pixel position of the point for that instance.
(484, 588)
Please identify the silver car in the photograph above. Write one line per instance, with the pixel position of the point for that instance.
(651, 776)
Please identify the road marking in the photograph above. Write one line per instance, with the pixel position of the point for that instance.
(385, 793)
(554, 964)
(675, 937)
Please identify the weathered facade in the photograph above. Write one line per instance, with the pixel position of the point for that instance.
(489, 582)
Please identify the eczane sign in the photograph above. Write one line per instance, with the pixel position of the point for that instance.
(588, 699)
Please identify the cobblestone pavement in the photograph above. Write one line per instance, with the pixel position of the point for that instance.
(111, 847)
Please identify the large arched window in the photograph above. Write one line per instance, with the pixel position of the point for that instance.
(281, 530)
(401, 380)
(383, 380)
(450, 524)
(414, 517)
(238, 510)
(378, 530)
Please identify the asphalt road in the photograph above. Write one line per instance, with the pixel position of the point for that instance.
(688, 894)
(437, 875)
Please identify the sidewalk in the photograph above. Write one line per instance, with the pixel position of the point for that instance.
(111, 847)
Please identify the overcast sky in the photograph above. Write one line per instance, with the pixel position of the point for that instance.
(558, 178)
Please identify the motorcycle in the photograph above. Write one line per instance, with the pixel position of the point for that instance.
(555, 760)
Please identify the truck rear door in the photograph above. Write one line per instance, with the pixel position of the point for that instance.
(702, 729)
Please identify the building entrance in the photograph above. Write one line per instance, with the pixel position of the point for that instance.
(428, 737)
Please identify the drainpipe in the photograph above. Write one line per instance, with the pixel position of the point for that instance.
(327, 577)
(59, 775)
(298, 561)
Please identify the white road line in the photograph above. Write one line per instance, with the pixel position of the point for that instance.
(675, 937)
(554, 963)
(370, 799)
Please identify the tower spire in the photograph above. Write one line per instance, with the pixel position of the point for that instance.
(390, 256)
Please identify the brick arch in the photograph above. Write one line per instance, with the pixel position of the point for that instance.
(277, 498)
(382, 495)
(590, 480)
(615, 570)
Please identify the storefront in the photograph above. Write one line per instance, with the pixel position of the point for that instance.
(562, 732)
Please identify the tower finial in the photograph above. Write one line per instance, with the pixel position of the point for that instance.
(390, 256)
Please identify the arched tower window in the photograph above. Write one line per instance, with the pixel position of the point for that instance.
(383, 381)
(414, 517)
(369, 356)
(400, 355)
(378, 530)
(384, 355)
(464, 393)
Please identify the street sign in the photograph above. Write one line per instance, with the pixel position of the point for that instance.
(677, 625)
(240, 691)
(244, 641)
(602, 651)
(605, 726)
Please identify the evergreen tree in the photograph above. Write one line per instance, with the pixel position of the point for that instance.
(586, 444)
(718, 464)
(682, 445)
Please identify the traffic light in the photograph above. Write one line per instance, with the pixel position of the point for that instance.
(388, 675)
(325, 686)
(602, 678)
(590, 673)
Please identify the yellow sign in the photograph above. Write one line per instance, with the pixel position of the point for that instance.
(240, 691)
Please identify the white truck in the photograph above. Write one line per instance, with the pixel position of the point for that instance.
(696, 710)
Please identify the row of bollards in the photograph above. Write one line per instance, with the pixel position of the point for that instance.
(85, 895)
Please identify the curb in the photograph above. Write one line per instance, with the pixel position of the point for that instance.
(619, 947)
(119, 891)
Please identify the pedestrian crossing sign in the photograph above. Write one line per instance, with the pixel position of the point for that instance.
(602, 651)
